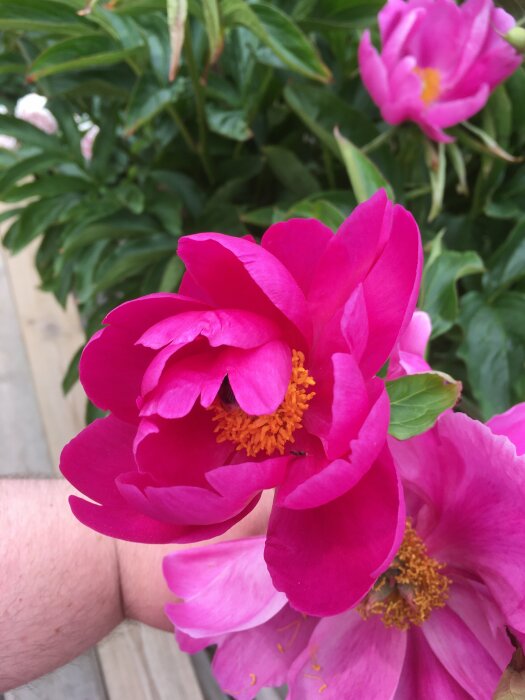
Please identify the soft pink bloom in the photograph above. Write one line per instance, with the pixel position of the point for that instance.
(226, 341)
(86, 144)
(465, 493)
(31, 108)
(9, 143)
(408, 356)
(439, 61)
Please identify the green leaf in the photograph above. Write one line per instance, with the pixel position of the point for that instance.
(172, 275)
(71, 375)
(278, 32)
(230, 123)
(51, 186)
(417, 400)
(177, 12)
(365, 177)
(321, 209)
(290, 171)
(40, 16)
(35, 219)
(493, 349)
(488, 144)
(81, 53)
(28, 134)
(437, 170)
(322, 110)
(148, 99)
(508, 263)
(438, 295)
(212, 22)
(29, 166)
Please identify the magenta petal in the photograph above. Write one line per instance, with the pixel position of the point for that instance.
(373, 72)
(444, 114)
(138, 314)
(93, 459)
(512, 425)
(247, 661)
(236, 273)
(345, 654)
(325, 559)
(260, 377)
(391, 289)
(460, 652)
(243, 480)
(424, 676)
(235, 327)
(226, 588)
(111, 369)
(298, 244)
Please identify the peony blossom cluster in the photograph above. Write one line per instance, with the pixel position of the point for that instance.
(439, 61)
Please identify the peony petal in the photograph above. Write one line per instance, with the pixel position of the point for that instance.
(298, 244)
(235, 327)
(345, 654)
(391, 289)
(424, 676)
(443, 114)
(247, 661)
(512, 425)
(373, 71)
(325, 559)
(236, 273)
(225, 586)
(460, 652)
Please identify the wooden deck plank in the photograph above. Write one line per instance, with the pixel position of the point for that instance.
(51, 337)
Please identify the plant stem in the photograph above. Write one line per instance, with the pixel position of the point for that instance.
(379, 140)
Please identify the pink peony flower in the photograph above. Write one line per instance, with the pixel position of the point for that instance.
(31, 108)
(260, 374)
(87, 141)
(408, 356)
(512, 424)
(439, 61)
(434, 624)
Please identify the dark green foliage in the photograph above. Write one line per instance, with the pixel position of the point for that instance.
(266, 118)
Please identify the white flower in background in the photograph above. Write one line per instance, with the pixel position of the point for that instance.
(86, 144)
(7, 142)
(32, 108)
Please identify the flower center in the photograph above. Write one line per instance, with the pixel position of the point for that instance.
(410, 589)
(431, 84)
(270, 432)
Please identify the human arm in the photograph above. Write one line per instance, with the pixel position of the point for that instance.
(64, 587)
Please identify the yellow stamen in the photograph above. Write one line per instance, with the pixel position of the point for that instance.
(431, 88)
(271, 432)
(410, 589)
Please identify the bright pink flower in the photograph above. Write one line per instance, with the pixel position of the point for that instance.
(465, 491)
(512, 424)
(439, 61)
(408, 356)
(236, 352)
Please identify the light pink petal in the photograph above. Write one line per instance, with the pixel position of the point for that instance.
(391, 289)
(226, 588)
(394, 47)
(512, 425)
(373, 72)
(325, 559)
(476, 14)
(236, 327)
(259, 657)
(460, 652)
(409, 352)
(347, 653)
(236, 273)
(298, 244)
(424, 676)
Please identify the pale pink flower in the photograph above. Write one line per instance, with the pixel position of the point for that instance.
(86, 144)
(439, 61)
(31, 108)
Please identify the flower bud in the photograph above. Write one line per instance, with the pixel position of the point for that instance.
(516, 38)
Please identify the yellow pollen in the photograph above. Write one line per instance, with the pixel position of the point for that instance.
(271, 432)
(410, 589)
(431, 79)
